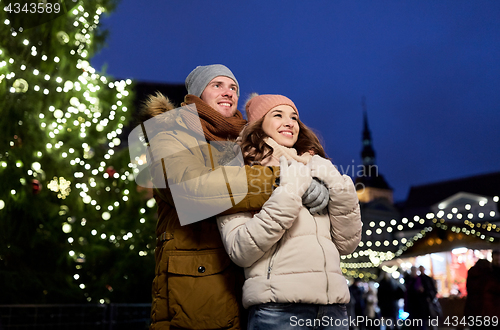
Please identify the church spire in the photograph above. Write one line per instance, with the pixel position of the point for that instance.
(370, 184)
(367, 154)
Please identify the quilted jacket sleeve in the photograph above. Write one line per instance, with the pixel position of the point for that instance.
(179, 161)
(247, 238)
(343, 206)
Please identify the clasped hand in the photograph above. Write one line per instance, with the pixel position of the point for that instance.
(295, 177)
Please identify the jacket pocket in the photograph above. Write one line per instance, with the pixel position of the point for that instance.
(202, 290)
(272, 258)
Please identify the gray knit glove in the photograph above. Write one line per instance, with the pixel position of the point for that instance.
(316, 197)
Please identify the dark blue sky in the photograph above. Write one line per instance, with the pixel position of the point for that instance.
(430, 71)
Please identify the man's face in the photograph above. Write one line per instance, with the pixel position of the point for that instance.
(222, 94)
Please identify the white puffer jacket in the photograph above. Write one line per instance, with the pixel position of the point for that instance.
(290, 255)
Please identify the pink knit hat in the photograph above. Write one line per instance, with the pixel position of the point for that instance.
(259, 105)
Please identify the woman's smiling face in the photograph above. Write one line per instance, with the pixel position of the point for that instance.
(281, 124)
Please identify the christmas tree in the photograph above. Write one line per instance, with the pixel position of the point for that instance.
(73, 225)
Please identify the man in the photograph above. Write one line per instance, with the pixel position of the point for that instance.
(478, 276)
(196, 286)
(492, 287)
(358, 303)
(389, 292)
(429, 283)
(430, 292)
(495, 263)
(416, 300)
(483, 290)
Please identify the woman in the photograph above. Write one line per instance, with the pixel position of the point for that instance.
(291, 257)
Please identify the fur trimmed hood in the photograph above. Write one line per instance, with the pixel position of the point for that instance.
(166, 115)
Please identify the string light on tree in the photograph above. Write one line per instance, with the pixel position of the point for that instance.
(63, 121)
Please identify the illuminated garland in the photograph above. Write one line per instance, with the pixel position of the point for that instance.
(385, 250)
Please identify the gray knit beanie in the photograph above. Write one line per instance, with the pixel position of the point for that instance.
(199, 78)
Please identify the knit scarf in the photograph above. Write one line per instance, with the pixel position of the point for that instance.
(215, 126)
(279, 150)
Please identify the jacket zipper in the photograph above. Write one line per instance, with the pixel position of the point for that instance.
(271, 260)
(324, 259)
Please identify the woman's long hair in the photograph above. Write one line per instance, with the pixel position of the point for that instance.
(254, 148)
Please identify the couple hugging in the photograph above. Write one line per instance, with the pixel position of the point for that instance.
(274, 254)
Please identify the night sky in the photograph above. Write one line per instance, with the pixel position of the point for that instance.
(429, 70)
